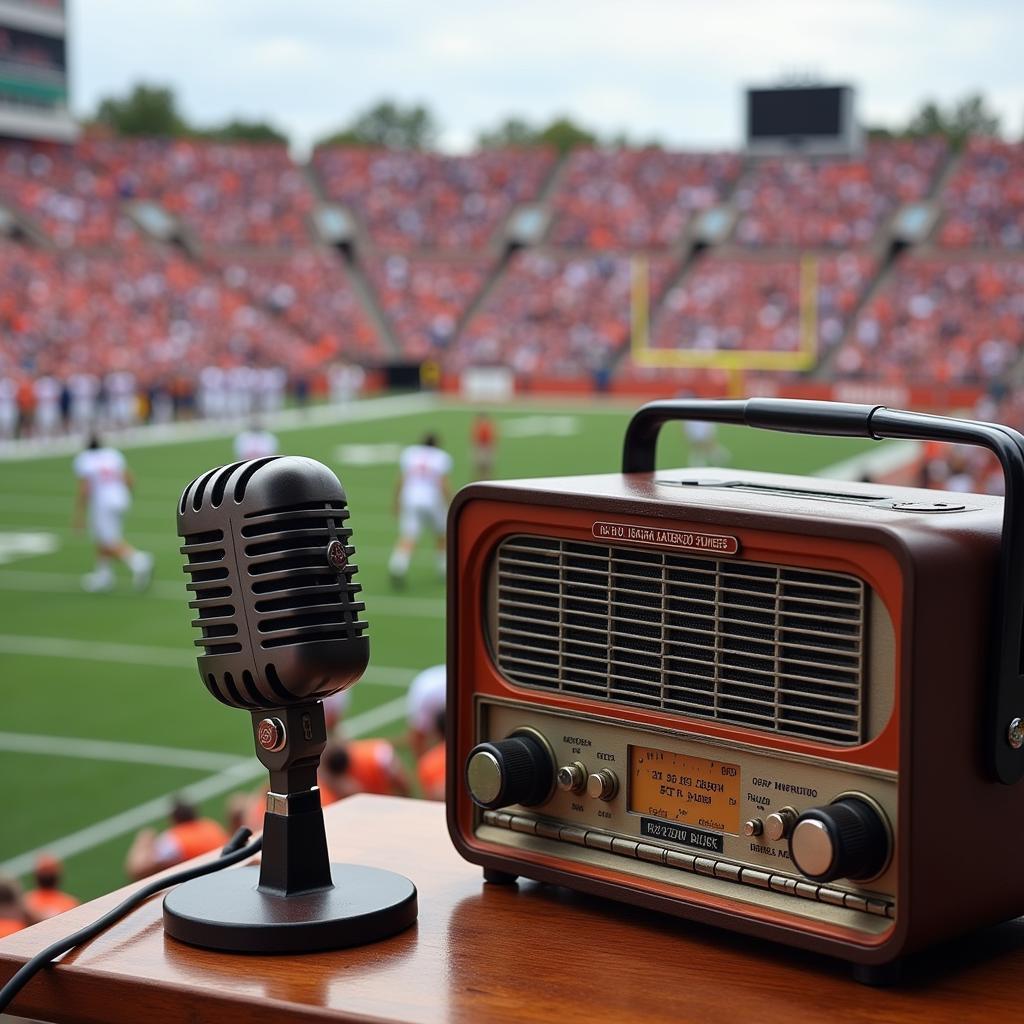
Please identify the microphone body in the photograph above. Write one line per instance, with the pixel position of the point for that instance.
(271, 575)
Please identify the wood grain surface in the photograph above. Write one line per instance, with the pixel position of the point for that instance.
(483, 953)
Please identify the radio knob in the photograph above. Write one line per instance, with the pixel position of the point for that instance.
(572, 778)
(516, 770)
(847, 839)
(603, 785)
(778, 825)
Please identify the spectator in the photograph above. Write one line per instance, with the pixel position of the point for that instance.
(430, 768)
(484, 440)
(361, 766)
(47, 900)
(12, 909)
(985, 197)
(188, 836)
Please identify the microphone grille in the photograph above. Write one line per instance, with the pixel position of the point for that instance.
(269, 559)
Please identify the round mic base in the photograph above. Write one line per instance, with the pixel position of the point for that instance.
(226, 911)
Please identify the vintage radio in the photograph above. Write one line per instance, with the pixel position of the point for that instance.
(782, 705)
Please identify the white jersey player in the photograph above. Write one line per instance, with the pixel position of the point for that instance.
(255, 443)
(8, 408)
(421, 499)
(122, 400)
(47, 419)
(423, 703)
(85, 389)
(104, 488)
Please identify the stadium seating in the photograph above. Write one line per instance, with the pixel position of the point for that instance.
(745, 302)
(225, 195)
(425, 298)
(70, 199)
(636, 198)
(984, 198)
(143, 309)
(409, 200)
(940, 318)
(310, 291)
(554, 313)
(795, 201)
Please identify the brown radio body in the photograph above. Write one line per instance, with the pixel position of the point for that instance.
(747, 699)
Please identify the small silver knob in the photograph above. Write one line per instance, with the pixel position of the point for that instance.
(484, 776)
(754, 827)
(778, 825)
(602, 785)
(572, 778)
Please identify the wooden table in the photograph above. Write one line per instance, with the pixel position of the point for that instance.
(493, 953)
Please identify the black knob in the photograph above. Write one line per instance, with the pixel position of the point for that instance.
(515, 770)
(847, 839)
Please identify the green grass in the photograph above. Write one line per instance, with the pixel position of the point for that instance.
(57, 694)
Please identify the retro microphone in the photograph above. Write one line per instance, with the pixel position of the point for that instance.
(271, 574)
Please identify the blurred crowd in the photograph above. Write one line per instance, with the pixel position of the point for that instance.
(224, 194)
(411, 200)
(756, 304)
(834, 202)
(425, 298)
(984, 199)
(941, 319)
(556, 314)
(636, 198)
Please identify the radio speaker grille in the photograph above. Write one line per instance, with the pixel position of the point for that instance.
(758, 645)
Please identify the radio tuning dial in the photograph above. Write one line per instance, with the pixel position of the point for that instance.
(779, 825)
(516, 770)
(847, 839)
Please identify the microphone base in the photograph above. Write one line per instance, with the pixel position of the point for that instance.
(226, 911)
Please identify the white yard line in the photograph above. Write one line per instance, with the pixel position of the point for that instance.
(65, 583)
(367, 409)
(239, 774)
(112, 750)
(153, 657)
(885, 459)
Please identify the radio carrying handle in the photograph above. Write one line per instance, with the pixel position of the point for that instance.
(1003, 724)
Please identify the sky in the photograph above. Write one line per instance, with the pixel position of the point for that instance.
(666, 69)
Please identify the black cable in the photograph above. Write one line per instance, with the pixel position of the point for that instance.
(232, 853)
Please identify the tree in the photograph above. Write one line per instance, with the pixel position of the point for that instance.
(146, 110)
(964, 118)
(564, 134)
(240, 130)
(390, 125)
(513, 131)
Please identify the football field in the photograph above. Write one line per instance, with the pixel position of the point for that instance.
(102, 714)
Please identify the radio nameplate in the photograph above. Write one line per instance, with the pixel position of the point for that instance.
(784, 780)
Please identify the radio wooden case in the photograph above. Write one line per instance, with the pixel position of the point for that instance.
(776, 704)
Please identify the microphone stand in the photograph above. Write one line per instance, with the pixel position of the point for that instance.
(296, 901)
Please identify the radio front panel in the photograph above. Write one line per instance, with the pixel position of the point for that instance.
(678, 808)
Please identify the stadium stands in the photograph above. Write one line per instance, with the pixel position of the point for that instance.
(409, 201)
(425, 298)
(91, 293)
(636, 199)
(941, 318)
(310, 291)
(985, 197)
(754, 303)
(816, 203)
(554, 313)
(143, 309)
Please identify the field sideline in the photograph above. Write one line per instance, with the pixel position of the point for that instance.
(102, 714)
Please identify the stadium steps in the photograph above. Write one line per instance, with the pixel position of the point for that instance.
(17, 226)
(825, 368)
(367, 297)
